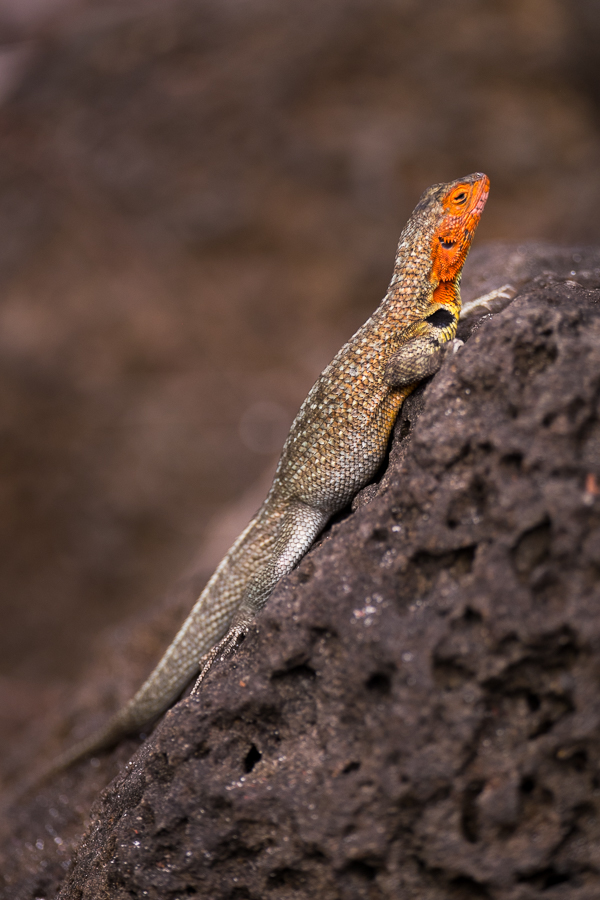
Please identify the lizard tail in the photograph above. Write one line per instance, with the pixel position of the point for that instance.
(181, 662)
(130, 719)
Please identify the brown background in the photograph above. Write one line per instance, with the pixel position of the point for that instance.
(199, 202)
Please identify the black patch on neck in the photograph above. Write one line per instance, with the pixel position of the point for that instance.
(441, 318)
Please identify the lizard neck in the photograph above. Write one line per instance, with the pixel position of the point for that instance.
(447, 295)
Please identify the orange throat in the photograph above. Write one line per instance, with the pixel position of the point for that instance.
(463, 205)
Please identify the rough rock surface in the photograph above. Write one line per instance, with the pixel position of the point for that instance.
(417, 713)
(199, 201)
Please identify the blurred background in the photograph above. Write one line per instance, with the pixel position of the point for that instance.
(199, 202)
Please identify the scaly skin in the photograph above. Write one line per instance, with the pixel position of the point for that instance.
(336, 444)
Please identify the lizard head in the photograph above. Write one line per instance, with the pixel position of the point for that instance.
(460, 206)
(433, 247)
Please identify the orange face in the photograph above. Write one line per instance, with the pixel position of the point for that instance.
(463, 205)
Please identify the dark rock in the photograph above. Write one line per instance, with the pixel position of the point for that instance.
(199, 201)
(416, 714)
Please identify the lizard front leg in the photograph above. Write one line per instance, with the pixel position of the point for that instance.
(422, 352)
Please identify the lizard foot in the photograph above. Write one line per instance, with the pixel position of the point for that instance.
(222, 650)
(493, 302)
(452, 347)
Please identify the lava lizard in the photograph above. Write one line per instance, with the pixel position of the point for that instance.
(335, 446)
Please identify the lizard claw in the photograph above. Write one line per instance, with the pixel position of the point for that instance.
(222, 650)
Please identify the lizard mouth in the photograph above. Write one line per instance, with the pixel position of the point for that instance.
(478, 208)
(484, 190)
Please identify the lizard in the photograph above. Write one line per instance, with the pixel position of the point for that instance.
(335, 446)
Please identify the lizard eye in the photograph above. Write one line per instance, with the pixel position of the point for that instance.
(461, 198)
(447, 244)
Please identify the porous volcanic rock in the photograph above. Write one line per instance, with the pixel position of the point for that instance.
(416, 713)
